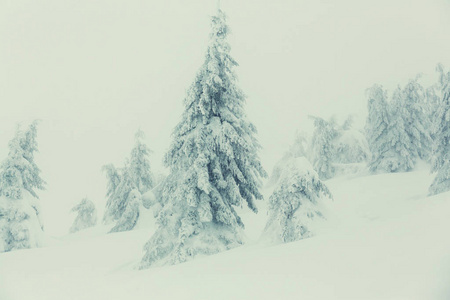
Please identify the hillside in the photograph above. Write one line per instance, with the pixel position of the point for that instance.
(383, 239)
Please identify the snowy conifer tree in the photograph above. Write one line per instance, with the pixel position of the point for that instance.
(296, 202)
(126, 187)
(348, 123)
(20, 223)
(297, 149)
(127, 205)
(350, 145)
(86, 215)
(322, 147)
(140, 165)
(213, 162)
(417, 124)
(401, 154)
(113, 176)
(432, 106)
(377, 127)
(20, 163)
(441, 156)
(124, 199)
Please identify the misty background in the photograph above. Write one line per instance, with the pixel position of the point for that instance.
(95, 72)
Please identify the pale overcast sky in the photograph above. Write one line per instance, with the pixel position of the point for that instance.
(96, 71)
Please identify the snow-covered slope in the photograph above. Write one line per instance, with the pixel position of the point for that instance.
(384, 239)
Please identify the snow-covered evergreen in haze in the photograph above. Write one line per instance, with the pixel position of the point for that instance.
(140, 165)
(126, 187)
(441, 155)
(300, 146)
(131, 206)
(114, 179)
(296, 202)
(432, 106)
(122, 207)
(322, 147)
(351, 146)
(86, 215)
(213, 161)
(377, 124)
(401, 155)
(334, 148)
(20, 221)
(417, 123)
(298, 149)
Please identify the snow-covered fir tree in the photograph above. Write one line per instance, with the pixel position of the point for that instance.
(126, 187)
(348, 123)
(20, 221)
(298, 149)
(124, 199)
(113, 181)
(402, 154)
(350, 145)
(336, 148)
(432, 105)
(132, 208)
(441, 155)
(213, 162)
(438, 153)
(140, 165)
(300, 146)
(86, 215)
(377, 124)
(322, 147)
(417, 124)
(296, 202)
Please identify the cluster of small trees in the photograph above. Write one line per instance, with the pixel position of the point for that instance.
(335, 144)
(331, 148)
(398, 131)
(413, 125)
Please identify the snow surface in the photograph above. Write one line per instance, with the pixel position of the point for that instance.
(384, 239)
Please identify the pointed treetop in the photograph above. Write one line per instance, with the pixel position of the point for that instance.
(219, 25)
(139, 134)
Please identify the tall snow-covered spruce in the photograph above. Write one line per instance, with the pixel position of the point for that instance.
(20, 222)
(213, 162)
(441, 155)
(296, 202)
